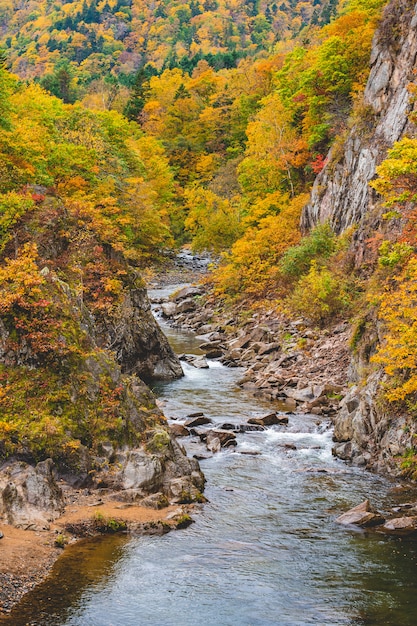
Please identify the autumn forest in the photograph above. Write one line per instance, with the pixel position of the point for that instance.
(130, 128)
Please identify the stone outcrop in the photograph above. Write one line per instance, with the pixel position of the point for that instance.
(341, 194)
(30, 497)
(106, 431)
(366, 431)
(138, 342)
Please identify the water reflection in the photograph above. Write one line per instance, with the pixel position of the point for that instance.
(90, 564)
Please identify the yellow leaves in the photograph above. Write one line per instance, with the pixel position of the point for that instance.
(113, 286)
(213, 221)
(19, 275)
(398, 350)
(319, 295)
(397, 175)
(251, 269)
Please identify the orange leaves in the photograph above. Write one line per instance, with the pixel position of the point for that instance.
(27, 309)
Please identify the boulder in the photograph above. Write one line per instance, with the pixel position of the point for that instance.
(178, 430)
(217, 439)
(363, 515)
(169, 309)
(207, 346)
(198, 362)
(197, 420)
(186, 292)
(240, 342)
(401, 526)
(269, 420)
(267, 348)
(300, 395)
(213, 444)
(187, 305)
(30, 496)
(141, 471)
(155, 501)
(214, 354)
(249, 428)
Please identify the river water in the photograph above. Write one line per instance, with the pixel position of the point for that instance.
(264, 550)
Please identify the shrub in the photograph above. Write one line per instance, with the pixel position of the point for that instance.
(321, 242)
(319, 295)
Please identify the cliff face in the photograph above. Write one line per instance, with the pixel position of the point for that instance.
(367, 431)
(77, 342)
(341, 194)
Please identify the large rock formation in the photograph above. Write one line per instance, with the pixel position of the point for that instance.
(76, 347)
(366, 431)
(341, 194)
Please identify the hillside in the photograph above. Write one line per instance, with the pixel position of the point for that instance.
(117, 38)
(226, 131)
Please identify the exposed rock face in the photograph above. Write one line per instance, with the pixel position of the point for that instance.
(341, 193)
(99, 421)
(366, 432)
(139, 344)
(30, 496)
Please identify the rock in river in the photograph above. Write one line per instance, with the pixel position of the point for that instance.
(401, 526)
(197, 420)
(362, 515)
(269, 420)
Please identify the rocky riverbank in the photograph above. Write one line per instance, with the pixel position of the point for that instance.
(285, 361)
(146, 489)
(295, 367)
(27, 555)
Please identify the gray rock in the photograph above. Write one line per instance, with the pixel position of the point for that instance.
(300, 395)
(29, 495)
(178, 430)
(186, 293)
(169, 309)
(139, 345)
(269, 420)
(187, 305)
(198, 420)
(198, 362)
(141, 471)
(267, 348)
(216, 439)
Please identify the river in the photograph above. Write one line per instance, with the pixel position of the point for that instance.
(264, 550)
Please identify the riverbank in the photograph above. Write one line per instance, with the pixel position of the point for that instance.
(308, 369)
(27, 555)
(288, 361)
(266, 537)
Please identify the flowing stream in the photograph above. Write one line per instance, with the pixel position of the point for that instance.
(264, 550)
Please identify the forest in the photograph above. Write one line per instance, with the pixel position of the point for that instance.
(146, 126)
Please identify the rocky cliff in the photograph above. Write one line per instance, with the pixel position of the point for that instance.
(367, 430)
(77, 342)
(341, 193)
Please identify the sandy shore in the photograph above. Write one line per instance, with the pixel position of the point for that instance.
(26, 556)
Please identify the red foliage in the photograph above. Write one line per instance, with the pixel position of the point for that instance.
(318, 164)
(38, 197)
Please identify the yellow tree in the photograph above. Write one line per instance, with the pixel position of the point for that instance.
(398, 351)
